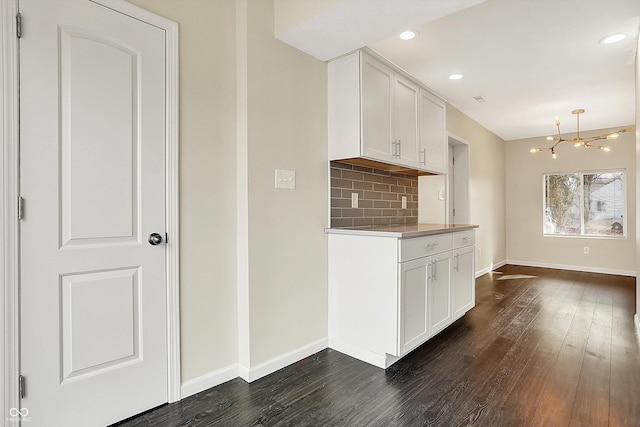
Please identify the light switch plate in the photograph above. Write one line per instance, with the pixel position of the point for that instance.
(285, 179)
(440, 194)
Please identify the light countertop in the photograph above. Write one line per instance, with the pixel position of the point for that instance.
(403, 231)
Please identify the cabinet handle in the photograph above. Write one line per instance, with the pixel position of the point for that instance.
(399, 148)
(456, 262)
(424, 156)
(394, 150)
(435, 271)
(432, 245)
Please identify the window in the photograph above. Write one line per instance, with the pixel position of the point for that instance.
(584, 204)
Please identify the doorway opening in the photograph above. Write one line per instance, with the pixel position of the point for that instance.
(458, 182)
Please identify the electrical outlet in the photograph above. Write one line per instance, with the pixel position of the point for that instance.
(354, 200)
(586, 250)
(404, 202)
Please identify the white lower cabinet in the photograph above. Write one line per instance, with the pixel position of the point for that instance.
(388, 295)
(414, 303)
(425, 299)
(440, 292)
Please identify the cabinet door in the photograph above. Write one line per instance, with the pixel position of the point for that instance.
(377, 87)
(433, 139)
(414, 307)
(440, 292)
(405, 121)
(464, 282)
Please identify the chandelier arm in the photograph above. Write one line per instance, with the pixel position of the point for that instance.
(601, 137)
(594, 138)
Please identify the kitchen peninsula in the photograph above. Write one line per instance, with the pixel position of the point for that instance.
(391, 288)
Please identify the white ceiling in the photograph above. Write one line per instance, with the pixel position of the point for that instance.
(530, 60)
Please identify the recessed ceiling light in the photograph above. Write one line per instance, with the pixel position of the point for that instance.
(408, 35)
(455, 76)
(614, 38)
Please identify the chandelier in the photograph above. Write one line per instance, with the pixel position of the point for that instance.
(578, 141)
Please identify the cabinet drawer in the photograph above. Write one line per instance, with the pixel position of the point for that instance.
(464, 238)
(418, 247)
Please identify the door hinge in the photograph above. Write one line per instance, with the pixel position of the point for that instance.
(166, 238)
(453, 160)
(22, 388)
(20, 208)
(454, 211)
(19, 25)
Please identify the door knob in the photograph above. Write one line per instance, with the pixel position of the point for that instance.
(155, 239)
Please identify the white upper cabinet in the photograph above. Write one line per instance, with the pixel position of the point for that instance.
(379, 113)
(405, 115)
(433, 138)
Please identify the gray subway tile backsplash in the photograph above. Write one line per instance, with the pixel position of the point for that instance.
(379, 196)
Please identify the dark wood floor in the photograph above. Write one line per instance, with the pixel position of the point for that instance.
(555, 349)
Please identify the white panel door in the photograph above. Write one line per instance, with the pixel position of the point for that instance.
(376, 108)
(440, 292)
(93, 289)
(414, 304)
(464, 281)
(405, 125)
(433, 139)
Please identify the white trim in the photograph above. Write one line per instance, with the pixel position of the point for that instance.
(636, 320)
(282, 361)
(9, 268)
(490, 268)
(206, 381)
(215, 378)
(461, 141)
(171, 184)
(173, 215)
(242, 193)
(382, 361)
(584, 268)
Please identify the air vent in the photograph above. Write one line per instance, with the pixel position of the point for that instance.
(479, 98)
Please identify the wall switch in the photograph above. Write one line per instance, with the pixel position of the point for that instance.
(354, 200)
(586, 250)
(285, 179)
(404, 202)
(440, 194)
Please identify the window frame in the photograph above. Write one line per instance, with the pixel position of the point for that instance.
(622, 236)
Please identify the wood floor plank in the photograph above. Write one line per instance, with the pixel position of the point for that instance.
(557, 348)
(556, 402)
(520, 406)
(592, 396)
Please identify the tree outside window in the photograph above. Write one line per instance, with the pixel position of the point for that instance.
(584, 204)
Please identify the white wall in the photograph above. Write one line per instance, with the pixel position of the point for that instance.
(486, 187)
(284, 111)
(431, 209)
(290, 13)
(524, 171)
(287, 119)
(207, 181)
